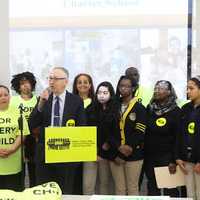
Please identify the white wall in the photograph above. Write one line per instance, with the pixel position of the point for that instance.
(196, 39)
(4, 41)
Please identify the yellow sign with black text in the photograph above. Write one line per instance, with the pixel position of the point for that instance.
(70, 144)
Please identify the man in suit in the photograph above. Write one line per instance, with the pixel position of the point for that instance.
(56, 107)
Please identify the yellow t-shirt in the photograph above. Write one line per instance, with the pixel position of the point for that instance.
(87, 102)
(144, 95)
(28, 105)
(9, 130)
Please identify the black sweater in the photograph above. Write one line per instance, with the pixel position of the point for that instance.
(161, 133)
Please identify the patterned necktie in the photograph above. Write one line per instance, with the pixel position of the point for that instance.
(56, 117)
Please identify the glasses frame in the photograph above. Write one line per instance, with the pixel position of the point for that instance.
(55, 78)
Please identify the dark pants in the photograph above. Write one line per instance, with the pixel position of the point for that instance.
(183, 191)
(12, 182)
(61, 173)
(150, 162)
(31, 174)
(141, 177)
(78, 183)
(29, 149)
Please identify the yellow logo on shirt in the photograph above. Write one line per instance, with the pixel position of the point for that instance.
(161, 121)
(70, 122)
(191, 127)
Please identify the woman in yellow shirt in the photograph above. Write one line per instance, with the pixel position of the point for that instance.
(10, 142)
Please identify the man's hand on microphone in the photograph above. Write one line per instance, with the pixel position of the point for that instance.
(43, 98)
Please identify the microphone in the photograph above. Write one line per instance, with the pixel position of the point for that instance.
(43, 98)
(21, 108)
(48, 93)
(49, 90)
(20, 119)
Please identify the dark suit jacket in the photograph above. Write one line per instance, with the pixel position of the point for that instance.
(73, 109)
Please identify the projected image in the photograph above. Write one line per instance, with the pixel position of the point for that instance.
(104, 54)
(37, 55)
(150, 35)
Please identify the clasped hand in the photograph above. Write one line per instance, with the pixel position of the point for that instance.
(4, 153)
(126, 150)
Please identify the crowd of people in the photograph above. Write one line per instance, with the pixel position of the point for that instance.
(137, 130)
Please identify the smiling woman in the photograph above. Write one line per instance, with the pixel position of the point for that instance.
(4, 97)
(82, 86)
(11, 176)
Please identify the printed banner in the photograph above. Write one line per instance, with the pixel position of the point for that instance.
(45, 191)
(70, 144)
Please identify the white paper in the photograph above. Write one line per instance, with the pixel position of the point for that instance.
(166, 180)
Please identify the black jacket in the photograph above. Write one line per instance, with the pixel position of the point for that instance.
(190, 134)
(161, 134)
(133, 126)
(107, 124)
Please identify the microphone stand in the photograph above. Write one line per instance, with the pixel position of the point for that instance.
(20, 123)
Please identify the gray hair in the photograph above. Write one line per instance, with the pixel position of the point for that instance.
(63, 69)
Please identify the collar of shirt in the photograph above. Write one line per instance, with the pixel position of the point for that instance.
(61, 97)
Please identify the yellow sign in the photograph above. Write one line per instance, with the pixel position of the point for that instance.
(191, 127)
(70, 144)
(161, 121)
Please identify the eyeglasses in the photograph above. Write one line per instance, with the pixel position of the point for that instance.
(125, 86)
(55, 78)
(160, 89)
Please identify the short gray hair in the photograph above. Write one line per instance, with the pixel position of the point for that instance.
(63, 69)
